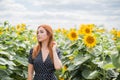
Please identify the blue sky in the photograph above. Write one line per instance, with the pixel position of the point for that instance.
(65, 13)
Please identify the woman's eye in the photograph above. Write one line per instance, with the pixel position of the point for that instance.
(41, 32)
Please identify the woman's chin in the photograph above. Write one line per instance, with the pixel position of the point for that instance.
(40, 40)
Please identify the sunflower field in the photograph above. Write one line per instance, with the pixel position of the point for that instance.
(88, 52)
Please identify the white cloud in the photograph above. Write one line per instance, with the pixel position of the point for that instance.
(61, 13)
(11, 5)
(58, 2)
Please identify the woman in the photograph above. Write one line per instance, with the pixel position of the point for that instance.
(44, 58)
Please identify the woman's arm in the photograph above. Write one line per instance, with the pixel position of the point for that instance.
(30, 71)
(57, 61)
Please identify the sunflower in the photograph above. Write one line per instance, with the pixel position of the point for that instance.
(64, 31)
(73, 35)
(80, 30)
(118, 33)
(114, 38)
(7, 29)
(13, 28)
(91, 25)
(71, 58)
(1, 29)
(0, 32)
(34, 38)
(100, 30)
(58, 30)
(23, 26)
(89, 40)
(113, 31)
(18, 26)
(61, 78)
(86, 29)
(64, 68)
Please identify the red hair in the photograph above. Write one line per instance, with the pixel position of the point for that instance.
(37, 48)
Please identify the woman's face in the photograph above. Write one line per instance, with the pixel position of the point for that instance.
(42, 34)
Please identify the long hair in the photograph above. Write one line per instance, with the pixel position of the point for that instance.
(37, 48)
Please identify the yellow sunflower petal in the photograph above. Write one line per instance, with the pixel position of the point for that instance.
(71, 58)
(81, 28)
(113, 31)
(18, 26)
(65, 68)
(118, 33)
(0, 33)
(61, 78)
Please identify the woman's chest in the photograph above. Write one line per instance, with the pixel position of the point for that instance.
(39, 61)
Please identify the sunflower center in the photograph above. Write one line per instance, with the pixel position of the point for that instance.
(73, 35)
(90, 39)
(87, 30)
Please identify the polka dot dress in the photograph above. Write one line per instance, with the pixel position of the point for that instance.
(43, 70)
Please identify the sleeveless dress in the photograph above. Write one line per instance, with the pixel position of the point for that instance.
(43, 70)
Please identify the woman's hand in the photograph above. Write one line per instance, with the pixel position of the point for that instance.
(57, 61)
(54, 46)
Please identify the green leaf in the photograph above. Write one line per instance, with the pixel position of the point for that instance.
(3, 74)
(21, 60)
(7, 54)
(7, 78)
(116, 60)
(11, 65)
(3, 67)
(108, 66)
(71, 67)
(81, 59)
(90, 74)
(8, 42)
(112, 73)
(22, 45)
(3, 61)
(3, 47)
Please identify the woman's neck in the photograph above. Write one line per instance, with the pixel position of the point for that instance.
(45, 44)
